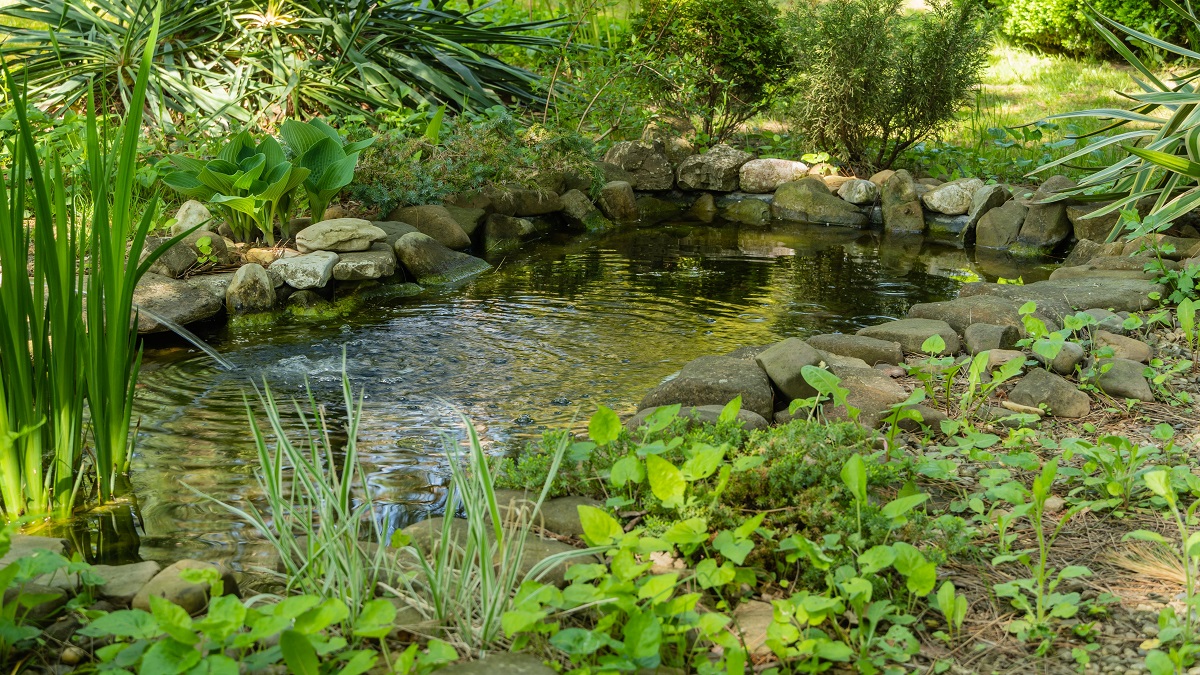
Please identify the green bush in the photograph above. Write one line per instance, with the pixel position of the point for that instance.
(875, 82)
(726, 60)
(1063, 25)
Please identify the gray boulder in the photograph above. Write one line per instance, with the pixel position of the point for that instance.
(901, 204)
(503, 233)
(1084, 225)
(1041, 387)
(469, 219)
(431, 263)
(250, 290)
(523, 202)
(784, 361)
(580, 213)
(501, 663)
(338, 235)
(1122, 378)
(1057, 299)
(953, 198)
(747, 212)
(174, 262)
(983, 337)
(193, 598)
(434, 221)
(191, 214)
(766, 175)
(375, 263)
(912, 333)
(704, 414)
(1046, 225)
(871, 391)
(948, 229)
(393, 230)
(217, 284)
(963, 311)
(716, 380)
(173, 300)
(310, 270)
(985, 199)
(809, 201)
(618, 202)
(1123, 347)
(859, 191)
(1068, 358)
(704, 209)
(716, 170)
(646, 162)
(999, 227)
(122, 582)
(871, 350)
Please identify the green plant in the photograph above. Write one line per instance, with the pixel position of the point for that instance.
(953, 607)
(328, 159)
(251, 183)
(1178, 634)
(1063, 25)
(1186, 313)
(828, 389)
(936, 372)
(728, 60)
(904, 78)
(1043, 581)
(239, 62)
(1121, 463)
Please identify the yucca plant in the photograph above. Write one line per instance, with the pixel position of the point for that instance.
(330, 161)
(253, 185)
(1160, 130)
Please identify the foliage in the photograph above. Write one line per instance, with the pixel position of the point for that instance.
(407, 165)
(329, 160)
(252, 184)
(55, 355)
(241, 61)
(904, 78)
(1159, 132)
(1063, 24)
(731, 58)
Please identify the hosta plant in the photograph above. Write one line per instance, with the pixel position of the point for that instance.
(1160, 131)
(330, 161)
(253, 185)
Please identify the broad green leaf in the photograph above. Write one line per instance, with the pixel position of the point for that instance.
(730, 412)
(604, 427)
(687, 532)
(902, 505)
(317, 619)
(298, 653)
(168, 657)
(825, 382)
(642, 636)
(732, 548)
(934, 344)
(599, 528)
(578, 641)
(703, 462)
(376, 619)
(854, 477)
(1159, 483)
(666, 481)
(875, 558)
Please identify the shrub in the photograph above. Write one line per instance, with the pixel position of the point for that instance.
(726, 59)
(876, 82)
(1063, 24)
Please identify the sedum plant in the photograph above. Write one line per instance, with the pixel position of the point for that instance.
(1160, 132)
(330, 161)
(253, 185)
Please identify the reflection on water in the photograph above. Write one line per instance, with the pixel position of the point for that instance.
(539, 342)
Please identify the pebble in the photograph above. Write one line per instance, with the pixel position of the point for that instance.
(72, 655)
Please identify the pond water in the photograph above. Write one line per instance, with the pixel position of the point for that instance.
(538, 342)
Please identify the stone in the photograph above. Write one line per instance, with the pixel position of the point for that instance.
(430, 262)
(1041, 387)
(1045, 225)
(809, 201)
(250, 290)
(310, 270)
(871, 391)
(985, 199)
(434, 221)
(610, 172)
(523, 202)
(173, 262)
(1169, 247)
(751, 622)
(1109, 321)
(217, 284)
(1086, 226)
(25, 545)
(191, 214)
(652, 210)
(953, 198)
(393, 230)
(716, 170)
(858, 191)
(835, 183)
(830, 359)
(580, 213)
(931, 418)
(1084, 250)
(716, 380)
(700, 415)
(500, 663)
(426, 535)
(503, 233)
(881, 177)
(822, 169)
(266, 256)
(469, 219)
(646, 162)
(747, 212)
(766, 175)
(48, 602)
(561, 515)
(618, 202)
(962, 312)
(912, 333)
(998, 357)
(193, 598)
(1123, 347)
(122, 582)
(784, 362)
(1123, 378)
(1068, 358)
(999, 227)
(982, 337)
(334, 211)
(704, 209)
(901, 205)
(948, 229)
(1057, 299)
(172, 299)
(342, 234)
(306, 299)
(871, 350)
(375, 263)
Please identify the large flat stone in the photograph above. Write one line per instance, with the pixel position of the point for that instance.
(172, 299)
(871, 350)
(912, 333)
(716, 380)
(1060, 298)
(310, 270)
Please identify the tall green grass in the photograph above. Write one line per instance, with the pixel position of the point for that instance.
(68, 334)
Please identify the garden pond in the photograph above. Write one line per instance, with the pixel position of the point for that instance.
(537, 342)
